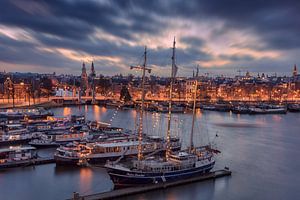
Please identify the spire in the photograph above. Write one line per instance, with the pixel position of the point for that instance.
(93, 73)
(295, 71)
(197, 72)
(247, 74)
(84, 79)
(83, 68)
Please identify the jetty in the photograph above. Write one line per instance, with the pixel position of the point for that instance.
(136, 190)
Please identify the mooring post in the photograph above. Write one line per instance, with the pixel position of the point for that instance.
(76, 196)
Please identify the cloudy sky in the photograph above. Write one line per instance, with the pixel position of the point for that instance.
(219, 36)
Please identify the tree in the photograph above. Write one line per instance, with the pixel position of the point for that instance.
(124, 94)
(103, 86)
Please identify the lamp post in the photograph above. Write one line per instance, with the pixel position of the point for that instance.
(13, 94)
(28, 91)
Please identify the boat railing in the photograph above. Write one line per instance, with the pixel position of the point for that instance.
(121, 157)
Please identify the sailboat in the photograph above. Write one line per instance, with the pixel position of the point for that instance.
(173, 166)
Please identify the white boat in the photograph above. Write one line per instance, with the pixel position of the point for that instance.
(276, 110)
(14, 133)
(18, 153)
(58, 138)
(110, 150)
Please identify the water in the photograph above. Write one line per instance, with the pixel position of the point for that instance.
(261, 150)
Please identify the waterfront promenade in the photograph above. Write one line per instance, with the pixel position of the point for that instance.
(55, 101)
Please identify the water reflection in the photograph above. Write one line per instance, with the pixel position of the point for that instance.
(261, 150)
(85, 178)
(66, 111)
(97, 116)
(60, 169)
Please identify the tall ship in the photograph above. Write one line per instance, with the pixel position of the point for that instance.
(116, 148)
(174, 165)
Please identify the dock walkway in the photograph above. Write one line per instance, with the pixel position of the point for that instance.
(135, 190)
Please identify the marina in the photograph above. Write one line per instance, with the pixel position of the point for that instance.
(149, 100)
(256, 132)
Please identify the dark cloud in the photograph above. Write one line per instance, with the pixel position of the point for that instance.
(193, 41)
(78, 19)
(237, 57)
(26, 53)
(70, 24)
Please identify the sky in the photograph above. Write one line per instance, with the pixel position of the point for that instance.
(221, 37)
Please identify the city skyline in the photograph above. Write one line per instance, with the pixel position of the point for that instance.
(219, 37)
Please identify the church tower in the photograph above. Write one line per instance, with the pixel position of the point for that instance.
(92, 77)
(295, 71)
(84, 79)
(93, 72)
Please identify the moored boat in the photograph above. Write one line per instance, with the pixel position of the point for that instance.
(58, 138)
(175, 109)
(16, 156)
(257, 110)
(240, 110)
(294, 107)
(110, 150)
(14, 134)
(174, 166)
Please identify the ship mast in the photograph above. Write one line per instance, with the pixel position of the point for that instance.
(140, 133)
(194, 116)
(173, 74)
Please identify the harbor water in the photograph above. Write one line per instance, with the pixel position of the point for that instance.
(262, 151)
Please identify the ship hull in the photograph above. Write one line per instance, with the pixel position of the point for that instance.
(123, 179)
(60, 160)
(14, 142)
(44, 145)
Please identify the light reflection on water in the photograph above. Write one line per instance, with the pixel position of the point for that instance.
(66, 111)
(261, 150)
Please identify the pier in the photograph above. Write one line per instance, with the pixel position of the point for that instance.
(136, 190)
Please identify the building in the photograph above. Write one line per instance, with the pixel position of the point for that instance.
(295, 72)
(84, 85)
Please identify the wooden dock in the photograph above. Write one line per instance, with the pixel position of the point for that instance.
(135, 190)
(24, 163)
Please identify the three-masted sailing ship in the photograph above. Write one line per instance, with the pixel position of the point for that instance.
(170, 167)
